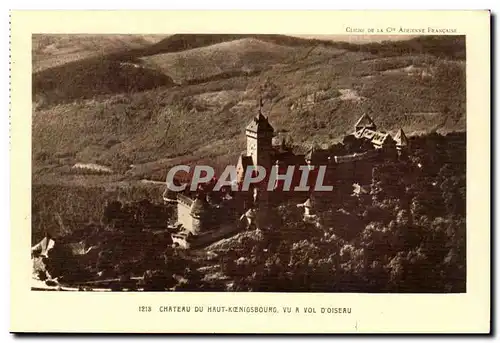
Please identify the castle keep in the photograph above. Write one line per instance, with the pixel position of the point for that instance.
(206, 216)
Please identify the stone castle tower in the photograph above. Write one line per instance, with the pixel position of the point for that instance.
(259, 140)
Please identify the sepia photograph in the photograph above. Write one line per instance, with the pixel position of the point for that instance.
(272, 172)
(248, 163)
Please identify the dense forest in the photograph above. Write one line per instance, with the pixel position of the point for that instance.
(407, 234)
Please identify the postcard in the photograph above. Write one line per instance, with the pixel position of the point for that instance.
(250, 171)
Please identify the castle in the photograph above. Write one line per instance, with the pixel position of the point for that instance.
(207, 216)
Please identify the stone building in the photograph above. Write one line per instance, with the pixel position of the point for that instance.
(350, 166)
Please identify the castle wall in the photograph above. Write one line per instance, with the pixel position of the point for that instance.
(195, 226)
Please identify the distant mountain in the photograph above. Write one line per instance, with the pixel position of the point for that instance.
(93, 77)
(85, 78)
(185, 58)
(181, 42)
(439, 46)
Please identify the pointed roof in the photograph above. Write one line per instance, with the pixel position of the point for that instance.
(401, 139)
(260, 123)
(359, 133)
(365, 121)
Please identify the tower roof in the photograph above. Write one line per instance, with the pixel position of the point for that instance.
(260, 123)
(401, 139)
(359, 133)
(365, 121)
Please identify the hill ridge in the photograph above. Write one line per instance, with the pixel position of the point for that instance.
(120, 112)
